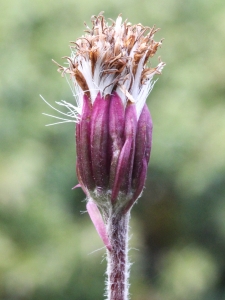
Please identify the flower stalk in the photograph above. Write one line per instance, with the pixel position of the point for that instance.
(111, 80)
(117, 257)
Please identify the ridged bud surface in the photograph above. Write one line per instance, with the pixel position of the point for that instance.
(116, 133)
(125, 163)
(83, 145)
(113, 149)
(99, 142)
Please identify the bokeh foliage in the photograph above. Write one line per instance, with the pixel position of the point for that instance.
(179, 224)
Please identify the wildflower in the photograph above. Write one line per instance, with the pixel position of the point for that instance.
(111, 81)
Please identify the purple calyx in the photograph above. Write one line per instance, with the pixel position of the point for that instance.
(113, 148)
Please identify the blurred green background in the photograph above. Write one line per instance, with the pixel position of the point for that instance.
(178, 227)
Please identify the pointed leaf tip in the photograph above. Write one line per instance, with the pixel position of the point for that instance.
(98, 222)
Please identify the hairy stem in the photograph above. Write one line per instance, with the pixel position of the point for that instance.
(117, 258)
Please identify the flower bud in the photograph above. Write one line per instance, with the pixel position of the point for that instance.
(113, 149)
(108, 67)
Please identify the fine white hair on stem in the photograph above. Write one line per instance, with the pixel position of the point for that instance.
(118, 266)
(97, 250)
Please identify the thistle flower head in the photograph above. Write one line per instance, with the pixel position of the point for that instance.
(113, 58)
(111, 80)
